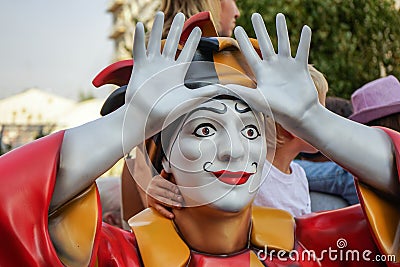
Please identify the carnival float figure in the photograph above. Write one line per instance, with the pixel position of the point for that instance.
(204, 110)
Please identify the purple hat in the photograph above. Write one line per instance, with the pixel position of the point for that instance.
(376, 99)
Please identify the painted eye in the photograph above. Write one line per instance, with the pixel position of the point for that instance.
(204, 130)
(250, 132)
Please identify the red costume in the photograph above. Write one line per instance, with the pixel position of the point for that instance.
(74, 234)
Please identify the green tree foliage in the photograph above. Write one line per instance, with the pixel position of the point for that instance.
(353, 42)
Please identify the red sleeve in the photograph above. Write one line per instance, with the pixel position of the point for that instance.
(340, 231)
(373, 226)
(27, 176)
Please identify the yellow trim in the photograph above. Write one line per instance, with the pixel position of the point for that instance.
(227, 43)
(384, 219)
(160, 245)
(272, 228)
(73, 227)
(231, 68)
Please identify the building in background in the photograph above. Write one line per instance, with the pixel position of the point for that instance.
(126, 13)
(29, 115)
(34, 113)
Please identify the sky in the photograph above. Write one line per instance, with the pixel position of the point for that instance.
(56, 46)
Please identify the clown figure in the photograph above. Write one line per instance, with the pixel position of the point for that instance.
(207, 125)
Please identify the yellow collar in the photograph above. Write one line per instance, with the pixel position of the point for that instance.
(160, 244)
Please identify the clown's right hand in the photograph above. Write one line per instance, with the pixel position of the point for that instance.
(156, 89)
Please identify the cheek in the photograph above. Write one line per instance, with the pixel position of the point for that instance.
(258, 151)
(225, 17)
(189, 148)
(227, 8)
(194, 150)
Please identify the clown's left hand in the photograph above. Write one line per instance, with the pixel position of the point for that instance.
(283, 82)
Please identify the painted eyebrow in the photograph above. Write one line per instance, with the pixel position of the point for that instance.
(246, 109)
(224, 110)
(215, 110)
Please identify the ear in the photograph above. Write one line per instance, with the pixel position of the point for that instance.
(283, 132)
(165, 165)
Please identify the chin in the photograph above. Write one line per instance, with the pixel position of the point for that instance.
(227, 208)
(226, 33)
(232, 203)
(309, 149)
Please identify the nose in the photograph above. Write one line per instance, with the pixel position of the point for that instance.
(237, 11)
(231, 148)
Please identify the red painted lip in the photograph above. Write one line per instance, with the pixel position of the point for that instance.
(233, 178)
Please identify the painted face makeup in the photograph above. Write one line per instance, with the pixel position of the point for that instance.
(217, 154)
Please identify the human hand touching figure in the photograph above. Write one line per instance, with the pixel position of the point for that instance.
(162, 194)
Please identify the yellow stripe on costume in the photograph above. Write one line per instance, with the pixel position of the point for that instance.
(273, 228)
(73, 227)
(159, 243)
(384, 219)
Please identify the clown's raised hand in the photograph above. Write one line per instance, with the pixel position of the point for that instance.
(283, 81)
(156, 87)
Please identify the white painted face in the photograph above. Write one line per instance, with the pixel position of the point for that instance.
(217, 155)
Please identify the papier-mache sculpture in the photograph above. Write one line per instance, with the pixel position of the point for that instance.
(203, 107)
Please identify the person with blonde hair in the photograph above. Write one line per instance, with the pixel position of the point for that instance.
(224, 13)
(285, 184)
